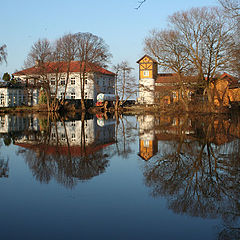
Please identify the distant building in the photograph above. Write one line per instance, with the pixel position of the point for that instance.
(59, 74)
(227, 90)
(12, 95)
(164, 88)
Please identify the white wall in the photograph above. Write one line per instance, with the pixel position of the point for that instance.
(146, 91)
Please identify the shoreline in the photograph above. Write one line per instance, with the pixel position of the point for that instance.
(128, 110)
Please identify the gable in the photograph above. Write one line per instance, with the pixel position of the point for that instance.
(146, 59)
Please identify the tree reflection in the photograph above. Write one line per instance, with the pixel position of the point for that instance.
(198, 171)
(4, 168)
(66, 151)
(125, 135)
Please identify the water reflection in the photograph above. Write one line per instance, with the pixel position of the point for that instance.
(192, 161)
(4, 169)
(66, 150)
(197, 166)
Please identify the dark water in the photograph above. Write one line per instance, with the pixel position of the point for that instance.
(139, 177)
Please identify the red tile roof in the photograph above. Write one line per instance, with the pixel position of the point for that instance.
(172, 78)
(229, 78)
(167, 78)
(53, 67)
(75, 151)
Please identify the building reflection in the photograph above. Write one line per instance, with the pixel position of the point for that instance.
(196, 167)
(148, 143)
(155, 130)
(67, 150)
(4, 169)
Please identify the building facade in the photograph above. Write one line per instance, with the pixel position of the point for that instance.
(17, 94)
(65, 79)
(165, 88)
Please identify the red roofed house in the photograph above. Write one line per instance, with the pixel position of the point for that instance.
(157, 87)
(99, 80)
(164, 88)
(226, 90)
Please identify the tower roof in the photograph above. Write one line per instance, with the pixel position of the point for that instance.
(147, 57)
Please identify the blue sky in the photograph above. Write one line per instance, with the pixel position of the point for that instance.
(23, 22)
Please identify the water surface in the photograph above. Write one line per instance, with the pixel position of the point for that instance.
(144, 177)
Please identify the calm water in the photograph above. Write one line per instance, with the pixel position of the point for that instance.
(139, 177)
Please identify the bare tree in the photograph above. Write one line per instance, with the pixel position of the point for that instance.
(208, 40)
(140, 4)
(66, 50)
(167, 47)
(125, 85)
(41, 52)
(92, 53)
(231, 7)
(40, 56)
(232, 13)
(3, 53)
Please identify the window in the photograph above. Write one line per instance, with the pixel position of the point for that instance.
(174, 123)
(85, 95)
(146, 73)
(73, 124)
(85, 81)
(72, 81)
(24, 98)
(2, 121)
(190, 95)
(63, 136)
(10, 99)
(73, 137)
(73, 95)
(52, 78)
(146, 143)
(62, 95)
(53, 82)
(2, 102)
(62, 82)
(174, 94)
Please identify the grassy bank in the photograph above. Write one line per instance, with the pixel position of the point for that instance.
(176, 109)
(27, 109)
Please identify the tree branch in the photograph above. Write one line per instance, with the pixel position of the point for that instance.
(140, 4)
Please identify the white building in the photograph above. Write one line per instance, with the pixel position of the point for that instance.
(12, 124)
(147, 76)
(66, 137)
(98, 79)
(12, 95)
